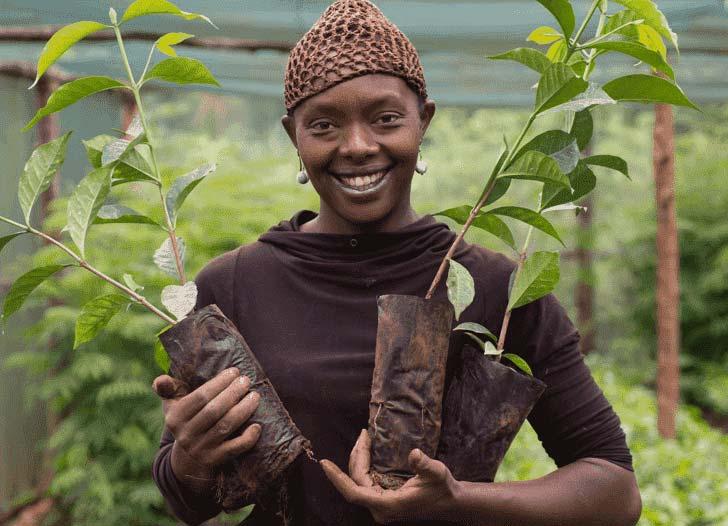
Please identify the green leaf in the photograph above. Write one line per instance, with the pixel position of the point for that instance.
(476, 328)
(133, 167)
(165, 42)
(182, 70)
(544, 35)
(159, 7)
(121, 214)
(557, 51)
(639, 52)
(95, 315)
(582, 128)
(494, 225)
(652, 40)
(24, 285)
(95, 147)
(7, 239)
(539, 275)
(548, 143)
(85, 202)
(564, 14)
(529, 57)
(624, 23)
(72, 92)
(536, 166)
(161, 357)
(529, 217)
(182, 187)
(646, 89)
(582, 181)
(500, 188)
(609, 161)
(518, 362)
(557, 86)
(459, 214)
(653, 17)
(119, 148)
(61, 41)
(460, 287)
(39, 171)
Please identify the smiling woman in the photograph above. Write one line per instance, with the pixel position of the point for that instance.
(305, 297)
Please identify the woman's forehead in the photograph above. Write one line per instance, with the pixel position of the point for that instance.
(366, 91)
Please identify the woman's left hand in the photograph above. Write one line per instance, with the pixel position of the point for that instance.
(430, 495)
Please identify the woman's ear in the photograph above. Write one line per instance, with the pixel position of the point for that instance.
(289, 124)
(428, 111)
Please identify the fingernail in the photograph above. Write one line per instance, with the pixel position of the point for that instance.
(233, 371)
(252, 395)
(244, 380)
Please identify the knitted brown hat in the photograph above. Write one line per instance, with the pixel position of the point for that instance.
(352, 38)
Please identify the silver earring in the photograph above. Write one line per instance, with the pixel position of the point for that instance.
(302, 176)
(421, 166)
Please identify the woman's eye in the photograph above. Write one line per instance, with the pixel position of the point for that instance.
(321, 126)
(388, 118)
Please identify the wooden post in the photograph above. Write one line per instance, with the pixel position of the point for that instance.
(128, 110)
(668, 269)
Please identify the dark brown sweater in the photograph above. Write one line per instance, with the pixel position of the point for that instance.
(306, 304)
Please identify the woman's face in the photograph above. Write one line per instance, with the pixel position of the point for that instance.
(359, 142)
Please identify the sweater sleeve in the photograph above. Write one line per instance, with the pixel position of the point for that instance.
(214, 284)
(573, 418)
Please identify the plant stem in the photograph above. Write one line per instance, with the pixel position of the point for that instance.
(573, 43)
(142, 117)
(476, 209)
(146, 66)
(593, 52)
(507, 317)
(84, 264)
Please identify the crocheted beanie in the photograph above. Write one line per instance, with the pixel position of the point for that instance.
(352, 38)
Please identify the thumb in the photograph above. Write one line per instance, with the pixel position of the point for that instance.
(425, 466)
(167, 387)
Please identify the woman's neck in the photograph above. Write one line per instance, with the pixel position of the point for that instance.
(327, 222)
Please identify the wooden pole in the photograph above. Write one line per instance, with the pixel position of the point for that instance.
(668, 273)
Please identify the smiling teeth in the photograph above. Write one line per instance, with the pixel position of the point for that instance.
(363, 182)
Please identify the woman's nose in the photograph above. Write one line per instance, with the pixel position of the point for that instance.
(358, 142)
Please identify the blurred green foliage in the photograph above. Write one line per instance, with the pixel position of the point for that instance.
(111, 420)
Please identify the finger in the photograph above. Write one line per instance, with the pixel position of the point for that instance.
(350, 490)
(218, 407)
(360, 460)
(239, 445)
(191, 404)
(167, 387)
(425, 466)
(234, 419)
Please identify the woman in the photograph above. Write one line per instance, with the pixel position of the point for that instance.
(304, 296)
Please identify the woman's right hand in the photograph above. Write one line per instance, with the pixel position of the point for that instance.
(202, 421)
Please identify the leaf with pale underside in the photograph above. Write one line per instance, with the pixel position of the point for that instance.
(593, 96)
(164, 257)
(558, 85)
(179, 300)
(182, 187)
(568, 157)
(529, 217)
(95, 147)
(536, 166)
(529, 57)
(117, 214)
(85, 202)
(96, 315)
(647, 89)
(544, 35)
(72, 92)
(135, 128)
(24, 285)
(61, 41)
(476, 328)
(518, 362)
(569, 207)
(538, 277)
(165, 42)
(460, 287)
(182, 70)
(563, 13)
(39, 171)
(159, 7)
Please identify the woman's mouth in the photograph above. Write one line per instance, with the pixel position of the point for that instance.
(362, 183)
